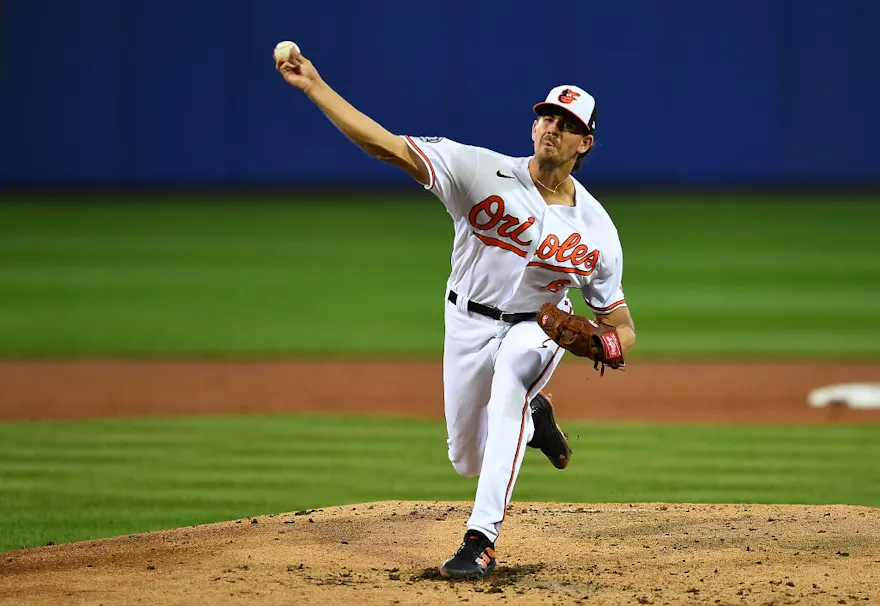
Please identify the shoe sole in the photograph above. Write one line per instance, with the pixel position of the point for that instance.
(559, 461)
(461, 574)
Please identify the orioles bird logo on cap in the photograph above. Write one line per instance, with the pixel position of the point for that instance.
(568, 96)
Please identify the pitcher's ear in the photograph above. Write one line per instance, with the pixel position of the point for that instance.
(586, 144)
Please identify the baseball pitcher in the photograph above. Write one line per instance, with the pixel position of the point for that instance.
(526, 233)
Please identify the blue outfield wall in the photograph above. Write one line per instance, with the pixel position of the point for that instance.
(689, 91)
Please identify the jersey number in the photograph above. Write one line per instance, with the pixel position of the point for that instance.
(557, 285)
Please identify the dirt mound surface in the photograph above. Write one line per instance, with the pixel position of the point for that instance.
(388, 552)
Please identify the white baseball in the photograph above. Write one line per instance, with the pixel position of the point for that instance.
(283, 50)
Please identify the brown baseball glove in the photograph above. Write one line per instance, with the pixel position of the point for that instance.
(582, 336)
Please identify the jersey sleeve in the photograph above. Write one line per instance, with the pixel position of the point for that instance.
(452, 168)
(604, 294)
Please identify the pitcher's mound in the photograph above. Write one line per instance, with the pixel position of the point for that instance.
(388, 552)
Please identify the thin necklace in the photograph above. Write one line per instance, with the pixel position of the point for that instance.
(538, 181)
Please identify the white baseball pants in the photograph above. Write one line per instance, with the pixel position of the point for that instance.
(491, 371)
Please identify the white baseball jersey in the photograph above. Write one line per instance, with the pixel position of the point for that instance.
(512, 250)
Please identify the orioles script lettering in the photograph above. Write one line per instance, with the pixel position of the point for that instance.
(570, 250)
(489, 215)
(493, 209)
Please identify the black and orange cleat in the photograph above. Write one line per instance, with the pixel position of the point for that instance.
(475, 558)
(549, 437)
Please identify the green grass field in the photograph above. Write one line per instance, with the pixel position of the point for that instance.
(734, 276)
(79, 480)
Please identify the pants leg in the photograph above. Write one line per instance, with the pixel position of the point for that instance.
(523, 366)
(470, 344)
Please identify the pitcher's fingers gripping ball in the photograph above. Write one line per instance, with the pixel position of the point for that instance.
(582, 336)
(284, 51)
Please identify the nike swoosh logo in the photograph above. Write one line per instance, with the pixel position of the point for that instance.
(503, 176)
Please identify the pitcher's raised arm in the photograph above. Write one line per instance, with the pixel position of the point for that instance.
(365, 132)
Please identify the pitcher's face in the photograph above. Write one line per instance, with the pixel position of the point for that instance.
(559, 138)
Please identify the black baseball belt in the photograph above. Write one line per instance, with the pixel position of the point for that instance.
(495, 314)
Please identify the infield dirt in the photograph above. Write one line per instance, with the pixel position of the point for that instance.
(723, 392)
(383, 553)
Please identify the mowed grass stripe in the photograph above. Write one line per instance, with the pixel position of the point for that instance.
(835, 464)
(751, 439)
(64, 481)
(205, 277)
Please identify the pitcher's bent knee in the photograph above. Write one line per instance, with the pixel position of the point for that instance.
(465, 466)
